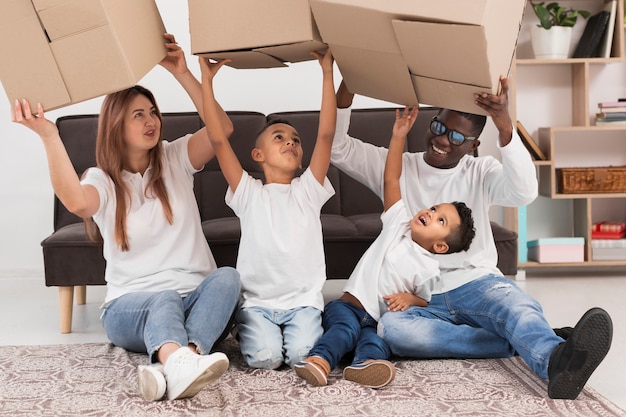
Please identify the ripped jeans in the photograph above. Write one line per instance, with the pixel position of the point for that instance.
(267, 337)
(490, 317)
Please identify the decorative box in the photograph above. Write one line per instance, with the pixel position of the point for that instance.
(558, 249)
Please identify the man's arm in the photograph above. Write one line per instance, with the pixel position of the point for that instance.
(361, 160)
(320, 159)
(393, 164)
(515, 184)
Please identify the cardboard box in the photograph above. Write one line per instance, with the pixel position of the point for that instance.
(558, 249)
(433, 52)
(253, 33)
(67, 51)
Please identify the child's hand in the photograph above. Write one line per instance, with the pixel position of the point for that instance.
(404, 122)
(326, 60)
(175, 61)
(399, 302)
(209, 69)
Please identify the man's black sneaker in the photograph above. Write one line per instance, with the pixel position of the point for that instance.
(573, 361)
(563, 332)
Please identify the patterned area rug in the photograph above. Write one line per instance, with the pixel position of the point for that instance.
(100, 380)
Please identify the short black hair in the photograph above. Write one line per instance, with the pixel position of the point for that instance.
(461, 238)
(270, 123)
(478, 120)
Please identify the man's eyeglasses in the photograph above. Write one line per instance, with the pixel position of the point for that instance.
(456, 138)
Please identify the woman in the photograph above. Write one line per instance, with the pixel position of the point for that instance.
(165, 295)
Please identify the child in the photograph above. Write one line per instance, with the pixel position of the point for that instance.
(396, 272)
(281, 254)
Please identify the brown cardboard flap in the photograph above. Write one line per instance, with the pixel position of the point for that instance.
(62, 18)
(246, 59)
(81, 58)
(446, 94)
(295, 52)
(392, 83)
(433, 59)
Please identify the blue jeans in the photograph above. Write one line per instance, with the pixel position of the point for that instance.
(490, 317)
(268, 337)
(348, 328)
(145, 321)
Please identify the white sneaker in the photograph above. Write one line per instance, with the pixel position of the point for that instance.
(151, 381)
(187, 373)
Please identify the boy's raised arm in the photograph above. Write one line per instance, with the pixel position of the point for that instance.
(320, 159)
(393, 164)
(213, 117)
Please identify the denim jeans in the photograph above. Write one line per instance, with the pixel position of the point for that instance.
(490, 317)
(348, 328)
(145, 321)
(268, 337)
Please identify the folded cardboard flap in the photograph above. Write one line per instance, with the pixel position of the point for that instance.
(248, 33)
(66, 18)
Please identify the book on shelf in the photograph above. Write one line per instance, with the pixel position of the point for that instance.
(612, 116)
(589, 42)
(608, 227)
(607, 40)
(530, 143)
(613, 109)
(610, 122)
(621, 102)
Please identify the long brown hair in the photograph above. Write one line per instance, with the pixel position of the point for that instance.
(111, 157)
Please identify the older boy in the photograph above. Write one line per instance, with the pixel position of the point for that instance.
(281, 256)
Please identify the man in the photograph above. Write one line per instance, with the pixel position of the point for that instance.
(475, 312)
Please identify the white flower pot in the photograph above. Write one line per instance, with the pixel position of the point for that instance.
(551, 43)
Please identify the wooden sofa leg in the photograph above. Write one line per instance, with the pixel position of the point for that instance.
(66, 301)
(81, 294)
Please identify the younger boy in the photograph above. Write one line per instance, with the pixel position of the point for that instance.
(281, 255)
(396, 272)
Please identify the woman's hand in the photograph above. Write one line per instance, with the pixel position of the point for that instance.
(21, 113)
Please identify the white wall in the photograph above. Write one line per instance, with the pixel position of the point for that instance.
(25, 192)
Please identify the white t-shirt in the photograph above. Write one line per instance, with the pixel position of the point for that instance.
(162, 256)
(478, 182)
(393, 264)
(281, 254)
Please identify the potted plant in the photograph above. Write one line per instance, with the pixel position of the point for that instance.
(552, 36)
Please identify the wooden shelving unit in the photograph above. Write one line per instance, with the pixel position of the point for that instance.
(568, 146)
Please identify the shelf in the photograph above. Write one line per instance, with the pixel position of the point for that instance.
(578, 143)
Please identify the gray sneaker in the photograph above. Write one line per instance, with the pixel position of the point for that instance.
(187, 373)
(371, 373)
(151, 381)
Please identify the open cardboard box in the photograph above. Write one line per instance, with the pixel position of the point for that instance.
(60, 52)
(435, 53)
(253, 33)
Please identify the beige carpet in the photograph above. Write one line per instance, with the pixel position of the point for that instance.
(100, 380)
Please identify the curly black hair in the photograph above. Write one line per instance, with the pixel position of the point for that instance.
(461, 238)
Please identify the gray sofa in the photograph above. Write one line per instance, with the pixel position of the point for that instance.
(350, 219)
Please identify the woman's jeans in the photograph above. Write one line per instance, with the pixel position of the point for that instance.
(267, 337)
(145, 321)
(490, 317)
(349, 328)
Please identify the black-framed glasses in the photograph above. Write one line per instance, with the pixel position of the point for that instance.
(455, 137)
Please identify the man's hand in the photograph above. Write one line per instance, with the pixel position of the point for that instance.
(498, 109)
